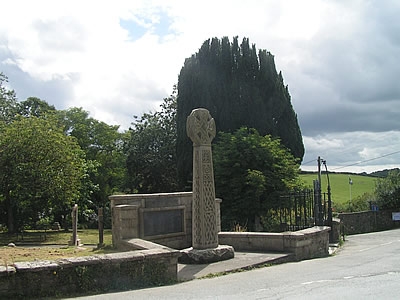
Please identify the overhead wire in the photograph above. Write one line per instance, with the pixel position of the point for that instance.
(311, 161)
(367, 160)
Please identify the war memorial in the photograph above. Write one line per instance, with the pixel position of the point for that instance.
(155, 233)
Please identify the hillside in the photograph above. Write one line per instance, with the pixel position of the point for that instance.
(340, 187)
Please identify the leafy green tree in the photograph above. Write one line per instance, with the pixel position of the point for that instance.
(360, 203)
(387, 190)
(151, 152)
(240, 88)
(34, 107)
(103, 146)
(251, 172)
(41, 170)
(10, 107)
(8, 101)
(104, 166)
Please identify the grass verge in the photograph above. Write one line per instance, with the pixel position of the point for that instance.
(33, 247)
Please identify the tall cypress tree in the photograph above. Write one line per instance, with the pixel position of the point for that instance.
(239, 89)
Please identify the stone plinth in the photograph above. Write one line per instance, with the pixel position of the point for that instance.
(205, 256)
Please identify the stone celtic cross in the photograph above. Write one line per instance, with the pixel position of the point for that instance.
(200, 127)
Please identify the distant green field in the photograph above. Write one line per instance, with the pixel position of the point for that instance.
(340, 187)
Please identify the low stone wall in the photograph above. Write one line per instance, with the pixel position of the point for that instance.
(163, 218)
(304, 244)
(367, 221)
(100, 273)
(308, 243)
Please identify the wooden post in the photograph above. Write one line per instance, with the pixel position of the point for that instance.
(75, 241)
(101, 228)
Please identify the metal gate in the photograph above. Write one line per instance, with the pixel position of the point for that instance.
(296, 210)
(303, 209)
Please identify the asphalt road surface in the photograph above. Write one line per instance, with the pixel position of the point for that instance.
(366, 267)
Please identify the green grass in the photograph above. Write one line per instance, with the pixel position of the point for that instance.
(45, 250)
(87, 236)
(340, 187)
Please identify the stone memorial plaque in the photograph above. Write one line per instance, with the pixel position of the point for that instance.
(160, 222)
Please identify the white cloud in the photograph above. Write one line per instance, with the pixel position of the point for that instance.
(368, 153)
(354, 151)
(54, 40)
(320, 143)
(121, 58)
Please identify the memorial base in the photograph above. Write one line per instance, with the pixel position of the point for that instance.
(205, 256)
(72, 243)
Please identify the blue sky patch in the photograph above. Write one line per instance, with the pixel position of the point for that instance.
(159, 27)
(162, 27)
(135, 30)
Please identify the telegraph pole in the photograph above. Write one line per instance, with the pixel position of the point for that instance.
(350, 184)
(329, 221)
(319, 198)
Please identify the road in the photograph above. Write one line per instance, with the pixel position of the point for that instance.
(366, 267)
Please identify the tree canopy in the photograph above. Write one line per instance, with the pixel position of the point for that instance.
(100, 147)
(387, 190)
(151, 153)
(251, 172)
(40, 170)
(240, 88)
(103, 147)
(8, 101)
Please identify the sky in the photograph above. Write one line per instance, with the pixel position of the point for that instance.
(117, 59)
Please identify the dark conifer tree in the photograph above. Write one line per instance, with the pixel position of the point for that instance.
(239, 88)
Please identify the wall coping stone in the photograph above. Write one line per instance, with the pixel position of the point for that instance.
(156, 195)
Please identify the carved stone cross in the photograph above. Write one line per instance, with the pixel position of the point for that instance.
(200, 127)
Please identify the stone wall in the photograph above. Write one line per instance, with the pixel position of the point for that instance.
(131, 213)
(163, 218)
(304, 244)
(335, 233)
(308, 243)
(100, 273)
(367, 221)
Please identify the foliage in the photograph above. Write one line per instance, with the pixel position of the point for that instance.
(40, 169)
(382, 173)
(34, 107)
(8, 101)
(105, 166)
(271, 221)
(151, 152)
(387, 190)
(10, 108)
(251, 171)
(359, 203)
(104, 170)
(239, 88)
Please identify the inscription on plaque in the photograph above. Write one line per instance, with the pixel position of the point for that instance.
(160, 222)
